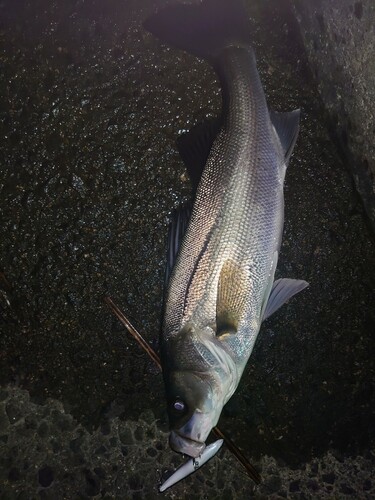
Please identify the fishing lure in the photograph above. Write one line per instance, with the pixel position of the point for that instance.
(192, 465)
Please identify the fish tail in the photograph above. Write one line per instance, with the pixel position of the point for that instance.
(203, 29)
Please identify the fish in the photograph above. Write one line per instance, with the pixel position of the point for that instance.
(192, 465)
(221, 284)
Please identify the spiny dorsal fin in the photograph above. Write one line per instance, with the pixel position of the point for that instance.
(231, 298)
(282, 290)
(287, 128)
(195, 146)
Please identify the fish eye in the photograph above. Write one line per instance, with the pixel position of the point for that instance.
(179, 406)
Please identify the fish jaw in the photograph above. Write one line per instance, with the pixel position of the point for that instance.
(190, 437)
(189, 431)
(185, 445)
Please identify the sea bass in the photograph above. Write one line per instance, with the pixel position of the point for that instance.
(222, 284)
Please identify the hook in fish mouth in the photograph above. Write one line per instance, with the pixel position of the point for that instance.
(184, 444)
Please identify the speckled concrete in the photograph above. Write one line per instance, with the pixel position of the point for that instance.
(45, 453)
(88, 175)
(339, 37)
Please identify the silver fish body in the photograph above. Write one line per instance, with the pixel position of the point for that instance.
(223, 275)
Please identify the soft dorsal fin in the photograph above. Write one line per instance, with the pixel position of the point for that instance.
(282, 290)
(177, 227)
(195, 146)
(287, 128)
(231, 298)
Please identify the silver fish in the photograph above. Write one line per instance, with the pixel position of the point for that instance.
(222, 284)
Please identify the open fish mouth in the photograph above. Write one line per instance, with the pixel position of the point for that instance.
(186, 445)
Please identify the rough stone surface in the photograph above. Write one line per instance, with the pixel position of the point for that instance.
(35, 466)
(339, 37)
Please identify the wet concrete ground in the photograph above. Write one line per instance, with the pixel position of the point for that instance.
(91, 106)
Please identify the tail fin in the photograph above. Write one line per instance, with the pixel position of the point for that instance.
(202, 29)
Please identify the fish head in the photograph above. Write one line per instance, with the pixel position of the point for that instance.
(191, 410)
(197, 389)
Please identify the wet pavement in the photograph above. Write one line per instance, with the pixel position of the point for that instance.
(91, 106)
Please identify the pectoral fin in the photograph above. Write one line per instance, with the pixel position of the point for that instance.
(282, 290)
(231, 298)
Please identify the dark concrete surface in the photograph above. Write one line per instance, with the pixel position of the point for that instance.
(89, 112)
(339, 36)
(45, 453)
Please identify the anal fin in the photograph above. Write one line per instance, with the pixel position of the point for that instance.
(287, 128)
(177, 228)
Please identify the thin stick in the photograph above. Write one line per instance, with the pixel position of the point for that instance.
(252, 472)
(138, 337)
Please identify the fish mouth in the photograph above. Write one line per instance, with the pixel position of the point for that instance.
(184, 444)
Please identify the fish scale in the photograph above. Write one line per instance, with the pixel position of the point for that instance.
(234, 230)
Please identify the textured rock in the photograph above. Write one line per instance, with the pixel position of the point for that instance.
(41, 470)
(339, 37)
